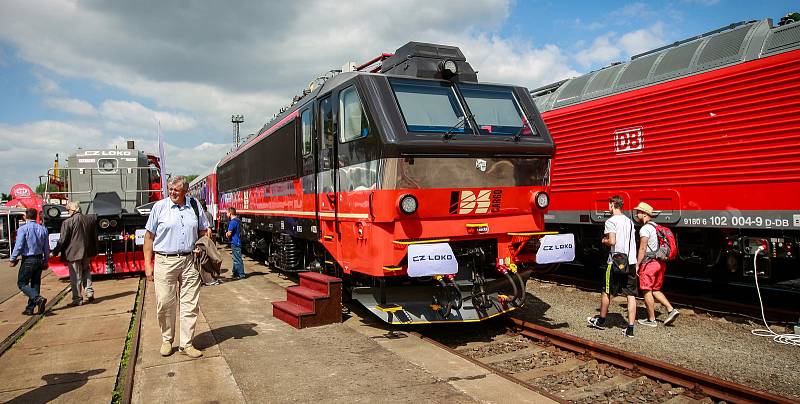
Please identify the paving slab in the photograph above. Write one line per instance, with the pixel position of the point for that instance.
(207, 380)
(84, 391)
(72, 354)
(11, 316)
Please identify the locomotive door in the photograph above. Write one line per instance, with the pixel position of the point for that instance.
(326, 171)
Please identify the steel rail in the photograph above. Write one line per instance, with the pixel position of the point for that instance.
(676, 375)
(489, 368)
(133, 355)
(12, 339)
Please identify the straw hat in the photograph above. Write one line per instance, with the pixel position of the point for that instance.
(644, 207)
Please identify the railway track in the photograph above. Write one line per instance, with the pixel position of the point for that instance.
(571, 369)
(9, 341)
(692, 298)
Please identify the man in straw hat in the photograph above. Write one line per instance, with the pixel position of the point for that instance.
(651, 270)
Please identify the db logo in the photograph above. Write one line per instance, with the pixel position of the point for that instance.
(466, 202)
(628, 140)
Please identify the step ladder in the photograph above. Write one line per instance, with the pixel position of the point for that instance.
(316, 301)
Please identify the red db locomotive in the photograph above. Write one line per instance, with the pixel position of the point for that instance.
(706, 130)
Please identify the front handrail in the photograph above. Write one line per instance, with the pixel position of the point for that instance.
(120, 172)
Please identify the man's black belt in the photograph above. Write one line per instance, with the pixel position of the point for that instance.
(32, 256)
(183, 254)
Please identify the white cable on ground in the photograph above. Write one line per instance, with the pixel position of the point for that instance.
(788, 339)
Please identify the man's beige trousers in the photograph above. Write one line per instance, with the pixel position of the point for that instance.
(174, 277)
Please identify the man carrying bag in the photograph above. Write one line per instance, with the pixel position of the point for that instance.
(619, 278)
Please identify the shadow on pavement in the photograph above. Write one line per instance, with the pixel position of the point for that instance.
(222, 334)
(57, 384)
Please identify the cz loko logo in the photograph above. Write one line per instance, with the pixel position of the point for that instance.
(466, 202)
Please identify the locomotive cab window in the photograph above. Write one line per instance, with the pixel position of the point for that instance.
(307, 140)
(496, 110)
(107, 165)
(429, 106)
(352, 118)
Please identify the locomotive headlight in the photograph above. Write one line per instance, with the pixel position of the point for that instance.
(542, 200)
(104, 223)
(53, 212)
(113, 223)
(408, 204)
(449, 68)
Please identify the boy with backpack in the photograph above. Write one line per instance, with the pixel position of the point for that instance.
(656, 246)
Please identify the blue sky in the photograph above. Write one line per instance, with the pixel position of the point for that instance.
(93, 74)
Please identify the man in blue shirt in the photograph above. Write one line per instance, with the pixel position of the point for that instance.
(173, 227)
(234, 230)
(33, 247)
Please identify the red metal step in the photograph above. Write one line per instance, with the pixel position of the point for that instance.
(304, 296)
(316, 301)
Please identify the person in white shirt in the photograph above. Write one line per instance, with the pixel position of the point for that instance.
(620, 237)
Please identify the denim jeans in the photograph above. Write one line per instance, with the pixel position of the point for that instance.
(29, 279)
(238, 264)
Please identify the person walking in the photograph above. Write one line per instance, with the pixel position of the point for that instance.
(174, 225)
(32, 247)
(77, 245)
(619, 236)
(651, 270)
(233, 234)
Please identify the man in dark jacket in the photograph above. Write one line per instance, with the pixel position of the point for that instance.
(77, 245)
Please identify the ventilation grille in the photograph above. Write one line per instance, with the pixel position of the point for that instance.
(572, 91)
(723, 48)
(603, 80)
(637, 71)
(676, 61)
(783, 39)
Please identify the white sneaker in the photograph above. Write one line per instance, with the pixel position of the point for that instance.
(191, 351)
(166, 348)
(649, 323)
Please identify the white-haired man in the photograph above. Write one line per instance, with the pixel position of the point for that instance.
(174, 225)
(77, 245)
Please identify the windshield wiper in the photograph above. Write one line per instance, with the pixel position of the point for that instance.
(462, 122)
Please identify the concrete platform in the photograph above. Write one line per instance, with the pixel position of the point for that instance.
(73, 353)
(249, 356)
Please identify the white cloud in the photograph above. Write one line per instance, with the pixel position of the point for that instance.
(602, 51)
(643, 40)
(46, 85)
(611, 47)
(72, 105)
(130, 116)
(28, 150)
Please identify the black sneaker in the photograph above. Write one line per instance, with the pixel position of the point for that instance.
(595, 322)
(41, 303)
(671, 316)
(75, 303)
(628, 332)
(28, 312)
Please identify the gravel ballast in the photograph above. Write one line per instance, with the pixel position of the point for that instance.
(717, 345)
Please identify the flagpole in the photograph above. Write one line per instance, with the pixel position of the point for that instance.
(162, 160)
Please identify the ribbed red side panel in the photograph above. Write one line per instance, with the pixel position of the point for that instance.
(722, 139)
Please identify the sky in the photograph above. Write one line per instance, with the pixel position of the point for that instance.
(93, 74)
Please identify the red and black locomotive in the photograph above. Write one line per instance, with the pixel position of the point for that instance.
(706, 130)
(422, 187)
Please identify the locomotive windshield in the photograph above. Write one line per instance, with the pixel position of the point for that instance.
(429, 106)
(495, 109)
(435, 106)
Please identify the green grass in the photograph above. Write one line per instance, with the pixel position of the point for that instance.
(123, 363)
